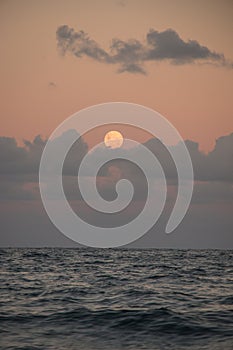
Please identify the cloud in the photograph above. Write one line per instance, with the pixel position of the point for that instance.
(210, 192)
(208, 222)
(79, 44)
(19, 166)
(20, 160)
(15, 159)
(217, 165)
(169, 45)
(131, 55)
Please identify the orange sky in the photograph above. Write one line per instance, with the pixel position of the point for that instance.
(197, 99)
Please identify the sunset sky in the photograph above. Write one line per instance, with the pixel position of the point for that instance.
(40, 88)
(60, 56)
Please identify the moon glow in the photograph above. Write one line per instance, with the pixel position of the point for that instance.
(113, 139)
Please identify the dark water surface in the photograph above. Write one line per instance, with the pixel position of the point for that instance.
(116, 299)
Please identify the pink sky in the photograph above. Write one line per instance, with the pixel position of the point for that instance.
(40, 89)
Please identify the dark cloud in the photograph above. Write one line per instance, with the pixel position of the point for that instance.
(79, 44)
(169, 45)
(16, 189)
(220, 160)
(15, 159)
(20, 160)
(217, 165)
(209, 192)
(25, 223)
(132, 54)
(19, 165)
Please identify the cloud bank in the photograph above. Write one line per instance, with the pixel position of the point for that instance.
(208, 222)
(131, 55)
(19, 165)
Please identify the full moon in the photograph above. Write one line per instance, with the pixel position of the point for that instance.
(113, 139)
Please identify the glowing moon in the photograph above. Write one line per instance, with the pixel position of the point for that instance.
(113, 139)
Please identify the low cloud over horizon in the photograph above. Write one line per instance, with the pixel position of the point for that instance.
(131, 55)
(208, 223)
(216, 165)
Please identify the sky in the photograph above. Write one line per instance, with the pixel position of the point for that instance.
(175, 57)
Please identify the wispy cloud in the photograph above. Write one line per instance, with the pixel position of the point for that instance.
(131, 55)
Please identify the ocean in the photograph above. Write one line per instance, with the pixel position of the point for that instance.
(90, 299)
